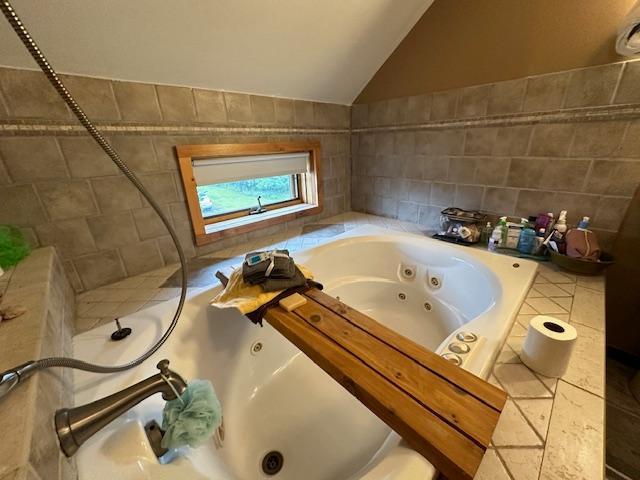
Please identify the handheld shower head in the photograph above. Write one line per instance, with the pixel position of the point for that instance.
(13, 377)
(7, 382)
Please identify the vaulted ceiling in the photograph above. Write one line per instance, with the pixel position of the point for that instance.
(308, 49)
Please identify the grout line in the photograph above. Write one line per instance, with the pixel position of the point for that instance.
(538, 377)
(192, 98)
(115, 100)
(36, 193)
(564, 308)
(157, 101)
(624, 135)
(526, 419)
(5, 171)
(3, 103)
(585, 325)
(519, 447)
(581, 388)
(569, 152)
(67, 169)
(589, 327)
(590, 288)
(524, 95)
(614, 94)
(587, 175)
(565, 94)
(504, 464)
(544, 452)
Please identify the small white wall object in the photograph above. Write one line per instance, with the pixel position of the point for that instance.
(628, 41)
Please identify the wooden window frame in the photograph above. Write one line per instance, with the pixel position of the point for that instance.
(310, 189)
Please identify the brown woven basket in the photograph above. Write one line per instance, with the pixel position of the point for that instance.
(580, 265)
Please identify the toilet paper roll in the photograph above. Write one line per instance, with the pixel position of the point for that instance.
(548, 346)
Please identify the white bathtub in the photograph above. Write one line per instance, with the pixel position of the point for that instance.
(277, 399)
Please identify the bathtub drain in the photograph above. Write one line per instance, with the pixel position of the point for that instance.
(272, 462)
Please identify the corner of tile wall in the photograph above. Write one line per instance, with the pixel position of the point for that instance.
(30, 446)
(565, 140)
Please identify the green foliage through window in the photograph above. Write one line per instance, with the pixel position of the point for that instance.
(230, 197)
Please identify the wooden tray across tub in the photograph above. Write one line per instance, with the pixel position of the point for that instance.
(445, 413)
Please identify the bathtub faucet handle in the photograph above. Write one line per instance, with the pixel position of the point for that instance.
(163, 366)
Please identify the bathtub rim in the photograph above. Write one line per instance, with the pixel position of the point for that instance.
(395, 456)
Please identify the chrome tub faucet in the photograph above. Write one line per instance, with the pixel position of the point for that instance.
(75, 426)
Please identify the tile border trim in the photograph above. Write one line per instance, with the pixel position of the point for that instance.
(40, 127)
(590, 114)
(576, 115)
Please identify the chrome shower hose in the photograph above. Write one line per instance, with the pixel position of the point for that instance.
(17, 25)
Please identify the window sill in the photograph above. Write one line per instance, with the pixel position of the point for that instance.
(235, 226)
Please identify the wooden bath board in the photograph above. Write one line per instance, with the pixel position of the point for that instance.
(445, 413)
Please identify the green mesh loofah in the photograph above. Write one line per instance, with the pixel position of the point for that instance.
(192, 418)
(13, 246)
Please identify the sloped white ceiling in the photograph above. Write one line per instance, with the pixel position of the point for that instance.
(323, 50)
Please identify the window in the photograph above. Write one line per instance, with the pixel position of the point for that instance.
(233, 197)
(234, 188)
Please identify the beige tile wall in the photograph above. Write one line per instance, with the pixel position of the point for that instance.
(492, 147)
(410, 157)
(62, 190)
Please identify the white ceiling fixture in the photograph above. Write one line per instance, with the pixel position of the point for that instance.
(307, 49)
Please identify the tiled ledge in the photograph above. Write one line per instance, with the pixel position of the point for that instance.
(553, 428)
(550, 428)
(29, 448)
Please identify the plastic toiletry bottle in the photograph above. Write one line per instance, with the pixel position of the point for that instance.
(561, 224)
(552, 222)
(526, 242)
(514, 230)
(541, 221)
(504, 231)
(584, 224)
(559, 232)
(495, 239)
(486, 234)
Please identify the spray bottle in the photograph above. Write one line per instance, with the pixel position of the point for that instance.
(486, 234)
(558, 233)
(504, 231)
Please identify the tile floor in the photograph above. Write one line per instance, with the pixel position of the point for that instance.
(550, 429)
